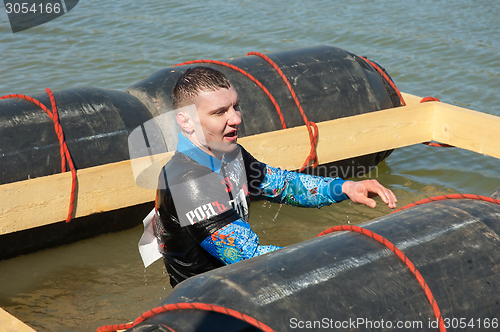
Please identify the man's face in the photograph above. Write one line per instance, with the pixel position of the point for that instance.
(220, 116)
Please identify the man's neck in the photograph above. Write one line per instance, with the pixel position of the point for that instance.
(198, 153)
(204, 148)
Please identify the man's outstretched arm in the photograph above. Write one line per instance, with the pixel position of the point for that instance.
(306, 190)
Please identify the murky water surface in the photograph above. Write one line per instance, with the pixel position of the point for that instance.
(446, 49)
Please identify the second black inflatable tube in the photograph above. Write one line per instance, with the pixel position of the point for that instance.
(348, 277)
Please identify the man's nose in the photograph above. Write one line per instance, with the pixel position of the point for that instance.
(234, 117)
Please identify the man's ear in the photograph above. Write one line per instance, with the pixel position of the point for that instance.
(183, 120)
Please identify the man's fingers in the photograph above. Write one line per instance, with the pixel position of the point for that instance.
(385, 194)
(391, 199)
(370, 203)
(388, 197)
(360, 192)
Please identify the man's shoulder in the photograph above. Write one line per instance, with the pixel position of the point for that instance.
(250, 162)
(243, 150)
(180, 160)
(181, 168)
(247, 157)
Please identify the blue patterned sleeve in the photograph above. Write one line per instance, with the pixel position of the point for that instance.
(298, 189)
(235, 242)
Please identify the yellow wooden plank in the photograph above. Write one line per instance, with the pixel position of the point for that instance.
(41, 201)
(9, 323)
(345, 138)
(466, 129)
(147, 169)
(36, 202)
(373, 132)
(25, 201)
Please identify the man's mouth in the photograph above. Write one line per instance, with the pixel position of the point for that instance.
(233, 135)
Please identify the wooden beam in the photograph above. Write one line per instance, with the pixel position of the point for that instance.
(466, 129)
(41, 201)
(345, 138)
(9, 323)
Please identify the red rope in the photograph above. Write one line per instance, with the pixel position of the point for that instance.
(58, 129)
(452, 196)
(312, 128)
(402, 256)
(440, 145)
(187, 306)
(63, 148)
(253, 79)
(386, 77)
(381, 239)
(426, 99)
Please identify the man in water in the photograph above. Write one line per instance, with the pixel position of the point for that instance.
(204, 191)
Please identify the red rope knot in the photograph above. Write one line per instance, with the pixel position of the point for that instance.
(426, 99)
(441, 145)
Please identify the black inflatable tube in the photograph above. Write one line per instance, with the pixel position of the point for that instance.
(348, 277)
(329, 82)
(96, 124)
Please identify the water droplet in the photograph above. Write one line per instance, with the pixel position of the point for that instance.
(277, 212)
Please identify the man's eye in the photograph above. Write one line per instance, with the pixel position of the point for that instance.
(237, 107)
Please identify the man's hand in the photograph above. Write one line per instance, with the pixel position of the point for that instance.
(360, 193)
